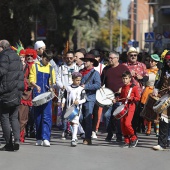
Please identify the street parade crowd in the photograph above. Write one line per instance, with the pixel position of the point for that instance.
(78, 91)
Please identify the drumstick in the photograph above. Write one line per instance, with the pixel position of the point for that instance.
(163, 89)
(53, 92)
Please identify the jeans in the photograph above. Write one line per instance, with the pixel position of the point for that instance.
(9, 119)
(111, 123)
(87, 111)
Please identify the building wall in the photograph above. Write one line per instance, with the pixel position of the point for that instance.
(138, 19)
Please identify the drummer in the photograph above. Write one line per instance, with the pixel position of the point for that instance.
(74, 95)
(42, 75)
(164, 87)
(130, 139)
(152, 71)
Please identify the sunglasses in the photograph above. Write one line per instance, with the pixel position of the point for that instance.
(69, 58)
(133, 55)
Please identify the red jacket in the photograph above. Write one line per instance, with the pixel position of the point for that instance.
(134, 96)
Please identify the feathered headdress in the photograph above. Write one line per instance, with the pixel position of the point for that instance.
(163, 55)
(18, 48)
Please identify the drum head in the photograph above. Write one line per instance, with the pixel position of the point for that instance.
(104, 96)
(69, 111)
(160, 102)
(41, 96)
(118, 110)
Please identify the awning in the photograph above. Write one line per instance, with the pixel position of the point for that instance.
(165, 9)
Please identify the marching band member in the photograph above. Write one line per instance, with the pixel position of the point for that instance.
(149, 86)
(42, 75)
(130, 139)
(75, 95)
(97, 113)
(164, 87)
(90, 82)
(112, 78)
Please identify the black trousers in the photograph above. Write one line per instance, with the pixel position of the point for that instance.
(10, 123)
(163, 133)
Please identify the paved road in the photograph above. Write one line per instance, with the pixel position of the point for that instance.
(101, 155)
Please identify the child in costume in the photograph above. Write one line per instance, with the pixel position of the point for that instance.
(42, 76)
(74, 95)
(130, 139)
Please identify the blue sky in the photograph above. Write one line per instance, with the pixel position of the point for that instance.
(124, 9)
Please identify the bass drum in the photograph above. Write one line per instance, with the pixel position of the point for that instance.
(148, 113)
(104, 97)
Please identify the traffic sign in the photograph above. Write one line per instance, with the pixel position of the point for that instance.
(158, 36)
(158, 44)
(149, 37)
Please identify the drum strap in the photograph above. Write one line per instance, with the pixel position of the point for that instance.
(89, 77)
(51, 75)
(130, 90)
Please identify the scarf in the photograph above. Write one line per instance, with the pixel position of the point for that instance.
(153, 70)
(85, 71)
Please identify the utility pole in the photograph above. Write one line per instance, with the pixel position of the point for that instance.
(111, 24)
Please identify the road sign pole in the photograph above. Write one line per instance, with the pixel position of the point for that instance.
(149, 47)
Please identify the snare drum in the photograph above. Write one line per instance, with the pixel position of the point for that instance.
(43, 98)
(104, 97)
(148, 113)
(120, 111)
(71, 112)
(162, 104)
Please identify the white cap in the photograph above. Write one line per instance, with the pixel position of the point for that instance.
(39, 44)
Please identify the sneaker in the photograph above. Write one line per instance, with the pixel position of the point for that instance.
(94, 136)
(157, 134)
(87, 142)
(158, 148)
(46, 143)
(73, 143)
(63, 136)
(38, 143)
(133, 143)
(126, 145)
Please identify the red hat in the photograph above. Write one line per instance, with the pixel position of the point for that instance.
(167, 57)
(31, 52)
(22, 53)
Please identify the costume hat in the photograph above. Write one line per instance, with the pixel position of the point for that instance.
(155, 57)
(90, 57)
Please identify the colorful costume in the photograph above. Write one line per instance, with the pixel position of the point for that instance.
(42, 76)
